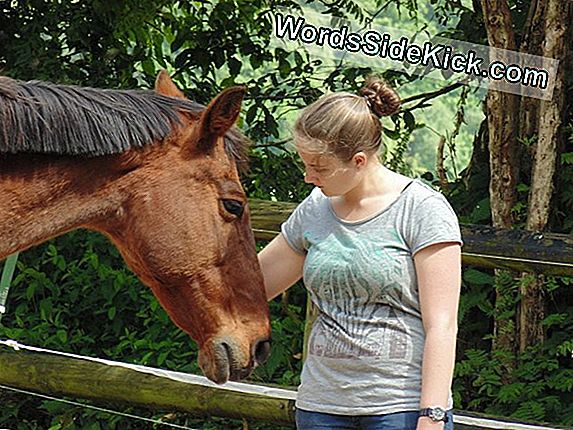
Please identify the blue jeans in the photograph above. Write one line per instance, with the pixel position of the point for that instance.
(306, 420)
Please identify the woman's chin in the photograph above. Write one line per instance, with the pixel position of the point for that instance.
(328, 193)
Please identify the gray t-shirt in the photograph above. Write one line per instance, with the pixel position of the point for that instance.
(365, 348)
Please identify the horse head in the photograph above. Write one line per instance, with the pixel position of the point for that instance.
(185, 231)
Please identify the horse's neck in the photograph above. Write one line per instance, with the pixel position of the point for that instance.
(42, 198)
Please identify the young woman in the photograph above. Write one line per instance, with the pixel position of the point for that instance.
(380, 256)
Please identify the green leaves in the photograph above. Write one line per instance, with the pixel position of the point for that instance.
(234, 66)
(284, 364)
(477, 277)
(531, 392)
(567, 158)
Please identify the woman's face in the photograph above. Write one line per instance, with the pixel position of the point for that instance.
(332, 175)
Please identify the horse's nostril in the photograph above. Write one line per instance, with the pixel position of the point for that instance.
(262, 351)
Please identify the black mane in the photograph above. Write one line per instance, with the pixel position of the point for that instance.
(41, 117)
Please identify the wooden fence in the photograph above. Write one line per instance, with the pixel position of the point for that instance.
(54, 373)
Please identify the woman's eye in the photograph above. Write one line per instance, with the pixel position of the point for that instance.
(234, 207)
(323, 171)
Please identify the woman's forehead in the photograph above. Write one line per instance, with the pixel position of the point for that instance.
(316, 159)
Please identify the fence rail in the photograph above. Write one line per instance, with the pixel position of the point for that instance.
(60, 374)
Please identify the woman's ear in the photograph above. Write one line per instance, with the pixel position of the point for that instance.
(360, 159)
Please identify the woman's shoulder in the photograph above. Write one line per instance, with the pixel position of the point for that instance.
(315, 197)
(428, 218)
(422, 191)
(421, 196)
(314, 203)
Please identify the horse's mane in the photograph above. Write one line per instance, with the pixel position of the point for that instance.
(41, 117)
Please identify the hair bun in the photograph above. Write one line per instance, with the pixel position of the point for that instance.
(382, 99)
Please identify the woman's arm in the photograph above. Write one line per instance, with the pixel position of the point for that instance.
(438, 269)
(281, 266)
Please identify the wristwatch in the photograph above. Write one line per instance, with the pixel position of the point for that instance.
(435, 413)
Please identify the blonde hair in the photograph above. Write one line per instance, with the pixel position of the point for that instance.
(343, 123)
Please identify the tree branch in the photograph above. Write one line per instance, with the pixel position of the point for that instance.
(425, 97)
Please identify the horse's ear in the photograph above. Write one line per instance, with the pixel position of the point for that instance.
(165, 86)
(219, 117)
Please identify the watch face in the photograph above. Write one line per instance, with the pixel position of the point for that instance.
(437, 414)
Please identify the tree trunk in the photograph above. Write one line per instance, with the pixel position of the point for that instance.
(502, 119)
(440, 169)
(533, 37)
(531, 306)
(477, 171)
(558, 17)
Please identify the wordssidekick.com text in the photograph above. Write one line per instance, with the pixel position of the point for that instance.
(373, 43)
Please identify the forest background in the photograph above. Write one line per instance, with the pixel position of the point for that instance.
(484, 151)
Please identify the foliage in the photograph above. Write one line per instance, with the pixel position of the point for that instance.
(535, 386)
(538, 388)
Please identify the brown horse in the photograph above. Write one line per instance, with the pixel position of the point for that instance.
(157, 174)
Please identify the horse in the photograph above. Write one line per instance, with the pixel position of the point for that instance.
(156, 173)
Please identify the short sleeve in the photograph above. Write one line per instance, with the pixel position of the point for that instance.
(432, 221)
(293, 228)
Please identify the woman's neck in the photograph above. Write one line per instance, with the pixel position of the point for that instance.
(378, 181)
(379, 188)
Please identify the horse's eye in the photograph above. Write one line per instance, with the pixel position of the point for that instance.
(234, 207)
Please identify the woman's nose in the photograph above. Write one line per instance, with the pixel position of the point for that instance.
(309, 178)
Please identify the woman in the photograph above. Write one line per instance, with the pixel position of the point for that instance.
(380, 256)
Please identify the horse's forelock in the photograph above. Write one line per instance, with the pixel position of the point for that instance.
(237, 147)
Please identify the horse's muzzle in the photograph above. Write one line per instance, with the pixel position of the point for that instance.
(222, 359)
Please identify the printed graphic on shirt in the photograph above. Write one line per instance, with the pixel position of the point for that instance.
(359, 289)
